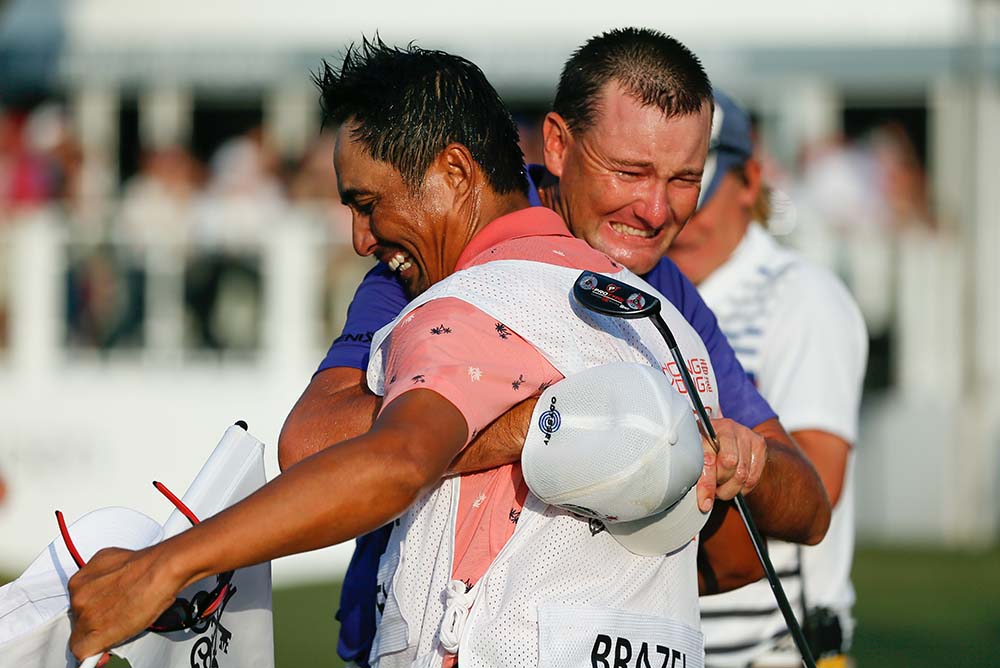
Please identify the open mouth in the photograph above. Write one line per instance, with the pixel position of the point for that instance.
(399, 262)
(635, 232)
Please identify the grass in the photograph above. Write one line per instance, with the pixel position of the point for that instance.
(305, 633)
(927, 608)
(915, 608)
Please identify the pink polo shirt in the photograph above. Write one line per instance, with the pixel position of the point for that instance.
(484, 368)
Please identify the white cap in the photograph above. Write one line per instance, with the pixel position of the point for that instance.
(618, 444)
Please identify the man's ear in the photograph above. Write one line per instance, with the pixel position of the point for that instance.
(457, 169)
(752, 176)
(556, 140)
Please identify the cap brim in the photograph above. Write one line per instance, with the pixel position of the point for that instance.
(664, 532)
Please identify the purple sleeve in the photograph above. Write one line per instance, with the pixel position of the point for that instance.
(378, 300)
(738, 398)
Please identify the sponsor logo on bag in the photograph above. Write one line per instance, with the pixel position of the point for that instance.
(214, 636)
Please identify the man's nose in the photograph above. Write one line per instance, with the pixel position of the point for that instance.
(364, 241)
(653, 206)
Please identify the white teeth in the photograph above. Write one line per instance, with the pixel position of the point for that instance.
(631, 231)
(395, 261)
(406, 265)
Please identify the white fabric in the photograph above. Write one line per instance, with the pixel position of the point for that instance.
(581, 636)
(458, 600)
(34, 623)
(797, 331)
(554, 557)
(619, 444)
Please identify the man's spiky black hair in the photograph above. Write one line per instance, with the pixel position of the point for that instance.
(409, 103)
(652, 67)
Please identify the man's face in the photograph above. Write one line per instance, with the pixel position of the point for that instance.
(718, 227)
(629, 183)
(402, 227)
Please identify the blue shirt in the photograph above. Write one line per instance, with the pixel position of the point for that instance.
(380, 298)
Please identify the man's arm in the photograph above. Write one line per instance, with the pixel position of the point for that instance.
(336, 406)
(726, 556)
(336, 494)
(813, 369)
(498, 444)
(781, 510)
(782, 489)
(788, 501)
(828, 454)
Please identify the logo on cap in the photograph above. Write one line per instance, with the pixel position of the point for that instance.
(549, 421)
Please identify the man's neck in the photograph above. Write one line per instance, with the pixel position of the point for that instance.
(712, 259)
(480, 214)
(499, 206)
(549, 194)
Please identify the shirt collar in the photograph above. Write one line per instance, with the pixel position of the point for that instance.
(754, 249)
(535, 221)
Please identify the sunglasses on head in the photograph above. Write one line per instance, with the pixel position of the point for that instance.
(182, 613)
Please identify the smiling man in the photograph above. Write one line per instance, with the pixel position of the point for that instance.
(625, 149)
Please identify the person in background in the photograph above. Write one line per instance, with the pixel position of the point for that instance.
(800, 336)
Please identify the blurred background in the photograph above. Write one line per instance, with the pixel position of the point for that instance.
(173, 254)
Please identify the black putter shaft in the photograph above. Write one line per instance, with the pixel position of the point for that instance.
(604, 295)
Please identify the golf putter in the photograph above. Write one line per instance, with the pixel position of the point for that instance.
(616, 299)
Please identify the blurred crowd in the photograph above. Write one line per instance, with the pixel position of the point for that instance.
(173, 196)
(842, 203)
(213, 213)
(40, 160)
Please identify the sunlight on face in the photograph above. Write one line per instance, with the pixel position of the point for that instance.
(631, 181)
(402, 227)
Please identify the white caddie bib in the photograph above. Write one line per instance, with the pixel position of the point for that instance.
(555, 561)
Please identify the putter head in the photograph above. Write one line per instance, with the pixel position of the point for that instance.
(614, 298)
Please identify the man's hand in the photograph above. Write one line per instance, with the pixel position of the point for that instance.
(340, 492)
(736, 468)
(102, 612)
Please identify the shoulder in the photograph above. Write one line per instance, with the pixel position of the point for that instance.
(381, 278)
(668, 279)
(452, 309)
(666, 274)
(812, 306)
(801, 285)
